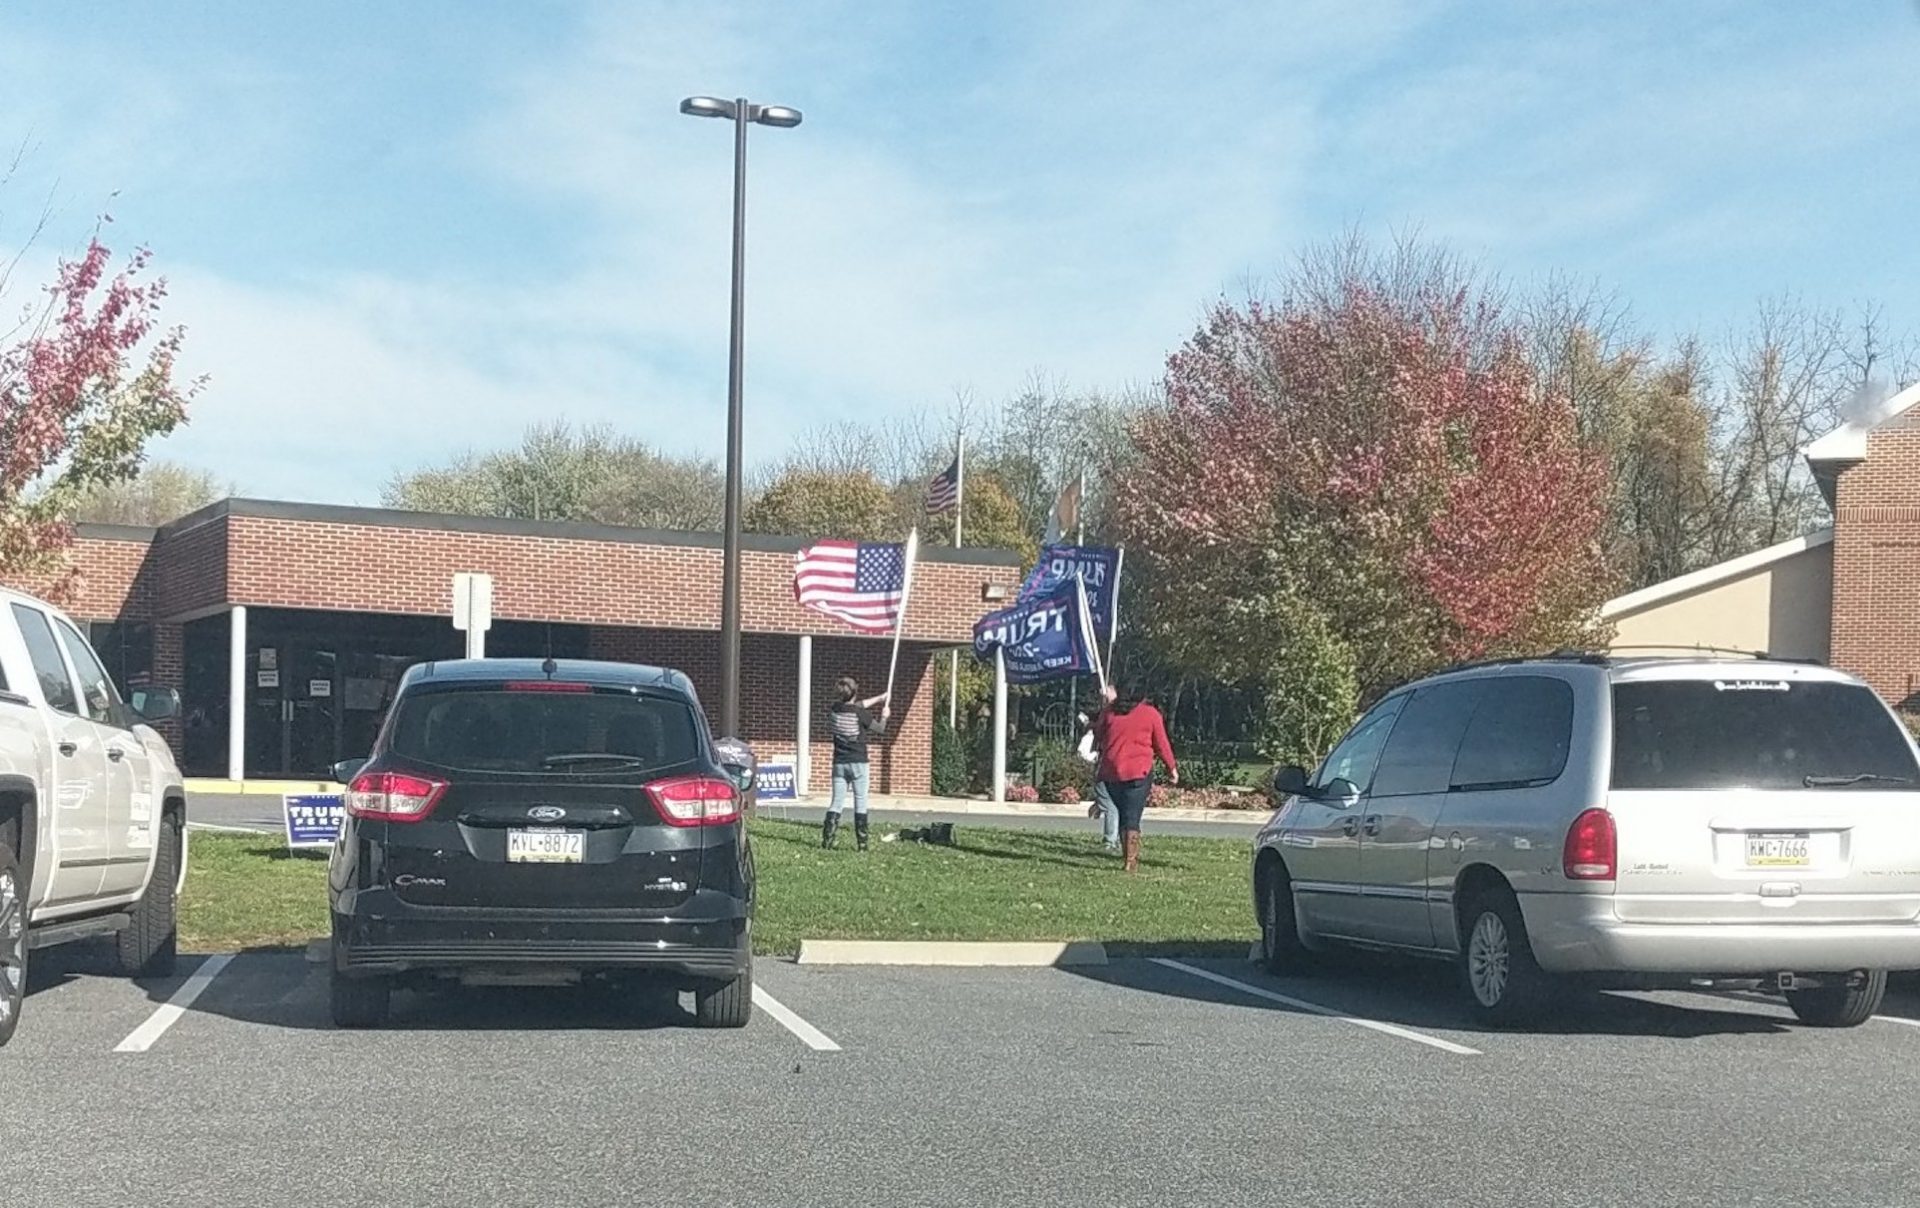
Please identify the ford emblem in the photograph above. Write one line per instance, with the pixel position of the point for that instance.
(546, 813)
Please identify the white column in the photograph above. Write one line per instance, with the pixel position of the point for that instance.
(237, 695)
(953, 697)
(803, 720)
(999, 724)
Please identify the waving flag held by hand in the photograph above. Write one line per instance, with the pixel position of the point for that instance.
(863, 584)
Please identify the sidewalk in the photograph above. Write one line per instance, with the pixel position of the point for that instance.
(968, 806)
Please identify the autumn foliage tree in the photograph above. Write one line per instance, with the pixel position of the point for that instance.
(85, 383)
(1366, 470)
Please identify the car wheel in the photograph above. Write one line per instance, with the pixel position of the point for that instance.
(1502, 980)
(1280, 948)
(148, 946)
(13, 944)
(360, 1002)
(726, 1004)
(1840, 1006)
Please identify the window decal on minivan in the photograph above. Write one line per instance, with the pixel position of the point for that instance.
(1753, 686)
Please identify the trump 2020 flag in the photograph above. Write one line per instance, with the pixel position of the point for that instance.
(860, 583)
(1050, 636)
(1097, 565)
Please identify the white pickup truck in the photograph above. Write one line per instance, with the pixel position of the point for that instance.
(92, 808)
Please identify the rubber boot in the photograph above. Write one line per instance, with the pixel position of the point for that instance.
(1130, 842)
(860, 831)
(829, 829)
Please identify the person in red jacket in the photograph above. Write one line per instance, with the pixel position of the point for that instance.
(1130, 733)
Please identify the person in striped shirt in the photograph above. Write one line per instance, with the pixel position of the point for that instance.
(853, 722)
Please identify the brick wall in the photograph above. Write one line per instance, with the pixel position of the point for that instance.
(362, 568)
(769, 666)
(1876, 564)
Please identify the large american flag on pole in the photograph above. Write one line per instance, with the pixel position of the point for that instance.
(860, 583)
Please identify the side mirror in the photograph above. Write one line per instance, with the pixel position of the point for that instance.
(347, 769)
(737, 758)
(1289, 781)
(156, 704)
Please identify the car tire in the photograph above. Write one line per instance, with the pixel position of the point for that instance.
(1281, 950)
(1840, 1006)
(725, 1004)
(13, 943)
(360, 1002)
(1505, 985)
(149, 945)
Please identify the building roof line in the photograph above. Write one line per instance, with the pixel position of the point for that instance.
(327, 513)
(1710, 576)
(1848, 442)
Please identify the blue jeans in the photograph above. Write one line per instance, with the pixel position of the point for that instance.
(849, 776)
(1109, 814)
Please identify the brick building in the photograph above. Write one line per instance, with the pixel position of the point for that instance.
(306, 616)
(1848, 594)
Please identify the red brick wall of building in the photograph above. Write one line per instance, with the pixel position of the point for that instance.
(769, 672)
(364, 568)
(1876, 564)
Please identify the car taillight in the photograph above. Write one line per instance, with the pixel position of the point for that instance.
(393, 796)
(695, 800)
(1592, 849)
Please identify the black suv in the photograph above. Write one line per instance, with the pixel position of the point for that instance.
(544, 822)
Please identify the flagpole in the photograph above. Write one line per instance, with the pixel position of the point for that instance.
(1113, 609)
(900, 622)
(959, 512)
(1080, 538)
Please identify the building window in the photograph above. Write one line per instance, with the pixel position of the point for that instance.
(126, 648)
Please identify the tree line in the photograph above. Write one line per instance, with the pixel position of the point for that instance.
(1385, 460)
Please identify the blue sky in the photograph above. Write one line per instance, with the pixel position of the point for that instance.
(397, 231)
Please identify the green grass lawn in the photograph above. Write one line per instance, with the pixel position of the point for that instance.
(1190, 894)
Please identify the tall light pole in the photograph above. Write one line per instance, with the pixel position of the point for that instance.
(741, 112)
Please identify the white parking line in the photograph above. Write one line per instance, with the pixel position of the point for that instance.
(1446, 1046)
(1912, 1023)
(143, 1037)
(809, 1035)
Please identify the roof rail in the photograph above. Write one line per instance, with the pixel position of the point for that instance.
(1679, 651)
(1595, 658)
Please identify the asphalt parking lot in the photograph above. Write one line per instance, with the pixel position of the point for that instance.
(1141, 1082)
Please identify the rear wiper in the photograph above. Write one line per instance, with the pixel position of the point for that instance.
(572, 757)
(1839, 782)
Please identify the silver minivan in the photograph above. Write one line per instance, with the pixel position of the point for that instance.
(1626, 822)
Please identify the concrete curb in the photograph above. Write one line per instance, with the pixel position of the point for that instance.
(989, 810)
(959, 955)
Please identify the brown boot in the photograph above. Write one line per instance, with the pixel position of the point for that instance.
(1130, 842)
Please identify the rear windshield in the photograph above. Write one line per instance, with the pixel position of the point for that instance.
(564, 733)
(1756, 733)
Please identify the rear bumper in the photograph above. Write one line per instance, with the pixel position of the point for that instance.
(1580, 933)
(382, 935)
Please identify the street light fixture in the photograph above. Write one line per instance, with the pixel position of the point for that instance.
(742, 112)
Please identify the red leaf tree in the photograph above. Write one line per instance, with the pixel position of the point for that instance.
(85, 382)
(1372, 459)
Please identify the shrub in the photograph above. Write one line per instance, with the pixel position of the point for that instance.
(1312, 692)
(1025, 793)
(1056, 766)
(949, 761)
(1066, 794)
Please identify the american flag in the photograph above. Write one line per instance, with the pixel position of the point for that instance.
(862, 584)
(944, 491)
